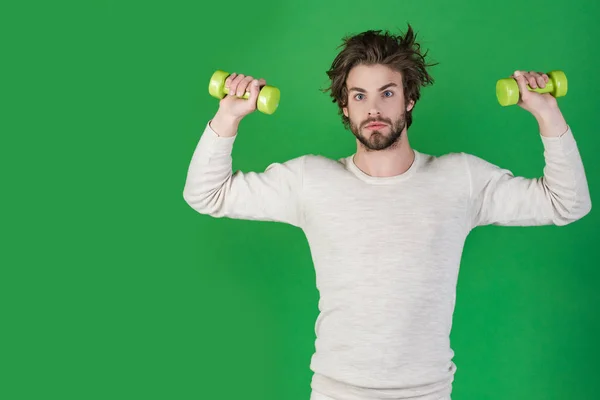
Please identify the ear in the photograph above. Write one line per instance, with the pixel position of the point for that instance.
(345, 111)
(410, 106)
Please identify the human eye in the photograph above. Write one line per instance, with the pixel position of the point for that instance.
(388, 93)
(356, 96)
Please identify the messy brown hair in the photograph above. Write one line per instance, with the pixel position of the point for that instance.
(401, 53)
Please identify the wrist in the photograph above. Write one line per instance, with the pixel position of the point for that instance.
(225, 125)
(547, 113)
(551, 122)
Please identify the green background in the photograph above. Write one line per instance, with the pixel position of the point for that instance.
(112, 287)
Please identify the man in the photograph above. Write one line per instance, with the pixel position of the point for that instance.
(386, 226)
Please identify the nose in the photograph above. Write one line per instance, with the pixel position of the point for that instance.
(374, 109)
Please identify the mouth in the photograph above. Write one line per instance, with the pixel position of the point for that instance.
(375, 126)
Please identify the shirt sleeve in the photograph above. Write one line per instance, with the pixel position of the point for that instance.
(214, 189)
(559, 197)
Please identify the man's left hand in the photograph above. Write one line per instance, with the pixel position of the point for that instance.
(535, 103)
(543, 106)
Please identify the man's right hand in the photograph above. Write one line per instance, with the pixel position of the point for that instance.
(233, 108)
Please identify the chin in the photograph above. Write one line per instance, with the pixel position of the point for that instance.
(370, 134)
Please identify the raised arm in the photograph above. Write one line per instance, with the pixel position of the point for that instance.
(213, 188)
(558, 197)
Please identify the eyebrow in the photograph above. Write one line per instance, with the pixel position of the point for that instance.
(357, 89)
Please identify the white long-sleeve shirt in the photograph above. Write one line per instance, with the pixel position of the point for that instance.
(386, 250)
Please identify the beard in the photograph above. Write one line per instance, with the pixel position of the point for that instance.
(379, 140)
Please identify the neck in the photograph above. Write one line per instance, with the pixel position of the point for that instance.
(395, 160)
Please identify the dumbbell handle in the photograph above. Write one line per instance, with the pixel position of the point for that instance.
(549, 88)
(246, 95)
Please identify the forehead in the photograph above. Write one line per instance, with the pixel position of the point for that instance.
(372, 76)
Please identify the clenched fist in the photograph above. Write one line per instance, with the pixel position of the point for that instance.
(237, 85)
(535, 103)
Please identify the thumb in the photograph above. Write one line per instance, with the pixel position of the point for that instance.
(521, 82)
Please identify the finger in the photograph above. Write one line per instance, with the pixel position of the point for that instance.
(521, 82)
(229, 80)
(254, 91)
(539, 81)
(234, 84)
(242, 87)
(262, 82)
(531, 80)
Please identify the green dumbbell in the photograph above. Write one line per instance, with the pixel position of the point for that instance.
(507, 89)
(268, 97)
